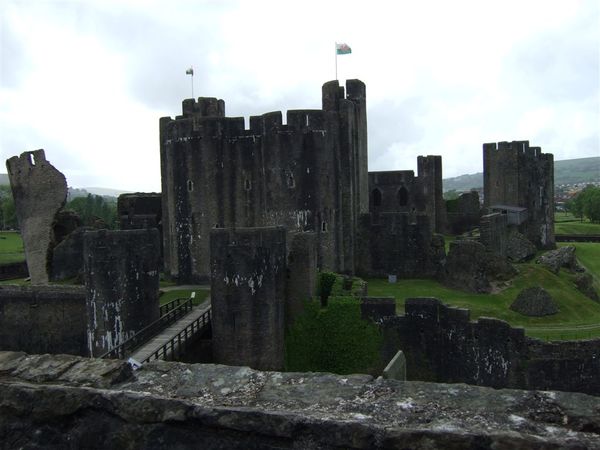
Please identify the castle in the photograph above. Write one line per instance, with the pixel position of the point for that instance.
(308, 175)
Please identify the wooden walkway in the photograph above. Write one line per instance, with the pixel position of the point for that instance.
(149, 348)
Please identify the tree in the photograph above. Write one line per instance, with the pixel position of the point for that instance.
(591, 203)
(8, 215)
(452, 194)
(586, 204)
(94, 207)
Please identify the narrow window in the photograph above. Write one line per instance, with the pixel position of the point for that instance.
(32, 159)
(247, 184)
(306, 117)
(190, 185)
(402, 196)
(376, 195)
(290, 181)
(323, 226)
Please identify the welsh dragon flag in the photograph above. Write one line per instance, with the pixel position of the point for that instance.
(342, 49)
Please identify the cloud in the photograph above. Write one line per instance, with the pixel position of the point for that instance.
(88, 81)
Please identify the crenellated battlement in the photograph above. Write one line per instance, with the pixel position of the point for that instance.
(203, 107)
(189, 127)
(515, 148)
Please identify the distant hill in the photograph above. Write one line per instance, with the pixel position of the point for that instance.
(567, 171)
(4, 179)
(105, 192)
(582, 170)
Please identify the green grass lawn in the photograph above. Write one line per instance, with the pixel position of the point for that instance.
(565, 223)
(588, 254)
(11, 247)
(168, 296)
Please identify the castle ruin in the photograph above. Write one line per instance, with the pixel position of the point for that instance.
(518, 180)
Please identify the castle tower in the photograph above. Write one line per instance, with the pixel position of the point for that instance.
(517, 175)
(248, 268)
(429, 169)
(121, 280)
(307, 175)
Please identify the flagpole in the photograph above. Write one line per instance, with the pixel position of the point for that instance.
(192, 82)
(335, 50)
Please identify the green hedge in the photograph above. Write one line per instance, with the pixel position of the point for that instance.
(333, 339)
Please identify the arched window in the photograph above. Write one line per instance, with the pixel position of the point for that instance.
(376, 196)
(402, 196)
(190, 185)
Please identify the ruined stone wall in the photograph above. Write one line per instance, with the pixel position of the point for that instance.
(139, 210)
(304, 175)
(43, 319)
(248, 274)
(60, 401)
(121, 280)
(401, 191)
(516, 174)
(462, 214)
(493, 233)
(39, 191)
(396, 244)
(441, 344)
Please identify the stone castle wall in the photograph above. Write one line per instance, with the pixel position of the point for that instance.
(493, 230)
(69, 402)
(441, 344)
(121, 282)
(462, 214)
(43, 319)
(398, 244)
(248, 267)
(400, 191)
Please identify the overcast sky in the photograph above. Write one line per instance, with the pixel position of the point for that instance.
(88, 81)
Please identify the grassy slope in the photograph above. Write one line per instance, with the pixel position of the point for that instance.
(579, 317)
(11, 247)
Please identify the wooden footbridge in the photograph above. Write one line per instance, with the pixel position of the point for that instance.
(180, 323)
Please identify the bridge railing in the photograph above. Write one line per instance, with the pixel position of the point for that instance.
(174, 348)
(170, 306)
(179, 309)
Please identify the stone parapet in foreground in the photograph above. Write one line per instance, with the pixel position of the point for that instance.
(72, 402)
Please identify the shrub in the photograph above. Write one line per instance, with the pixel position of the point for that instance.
(333, 339)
